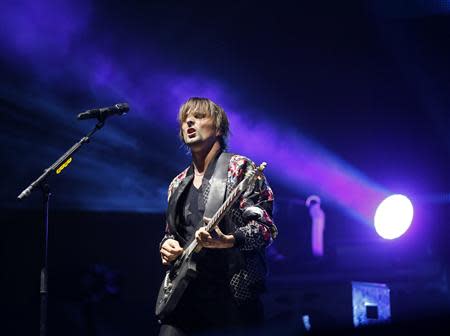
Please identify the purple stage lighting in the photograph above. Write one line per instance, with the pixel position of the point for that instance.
(393, 216)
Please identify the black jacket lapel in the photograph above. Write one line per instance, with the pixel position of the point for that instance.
(218, 184)
(173, 201)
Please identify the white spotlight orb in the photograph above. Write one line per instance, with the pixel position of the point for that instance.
(393, 216)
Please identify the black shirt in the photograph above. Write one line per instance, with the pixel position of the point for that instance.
(193, 210)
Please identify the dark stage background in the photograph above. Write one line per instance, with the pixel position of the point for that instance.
(345, 100)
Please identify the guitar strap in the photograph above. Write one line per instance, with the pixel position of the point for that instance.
(218, 183)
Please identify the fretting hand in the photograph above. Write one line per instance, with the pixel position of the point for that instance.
(205, 239)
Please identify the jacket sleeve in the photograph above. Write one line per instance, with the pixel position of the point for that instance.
(252, 216)
(167, 235)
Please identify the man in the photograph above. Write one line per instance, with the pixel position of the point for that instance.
(231, 265)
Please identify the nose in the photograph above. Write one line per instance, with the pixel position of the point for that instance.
(189, 121)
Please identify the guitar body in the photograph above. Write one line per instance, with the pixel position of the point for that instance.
(174, 285)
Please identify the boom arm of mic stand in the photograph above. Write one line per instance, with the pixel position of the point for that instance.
(38, 182)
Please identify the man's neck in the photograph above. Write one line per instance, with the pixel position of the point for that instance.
(202, 158)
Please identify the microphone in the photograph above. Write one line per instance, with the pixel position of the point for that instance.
(103, 113)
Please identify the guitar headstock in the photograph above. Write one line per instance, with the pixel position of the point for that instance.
(259, 171)
(262, 166)
(256, 172)
(253, 175)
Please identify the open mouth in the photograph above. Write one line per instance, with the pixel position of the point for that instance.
(191, 132)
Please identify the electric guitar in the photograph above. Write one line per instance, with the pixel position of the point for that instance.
(184, 269)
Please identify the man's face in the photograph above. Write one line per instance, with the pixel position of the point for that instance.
(199, 130)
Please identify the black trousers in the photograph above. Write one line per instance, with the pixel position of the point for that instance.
(210, 309)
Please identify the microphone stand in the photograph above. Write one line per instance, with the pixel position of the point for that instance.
(42, 183)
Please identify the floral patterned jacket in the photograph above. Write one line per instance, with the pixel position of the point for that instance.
(249, 221)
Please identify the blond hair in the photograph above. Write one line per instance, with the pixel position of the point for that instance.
(219, 116)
